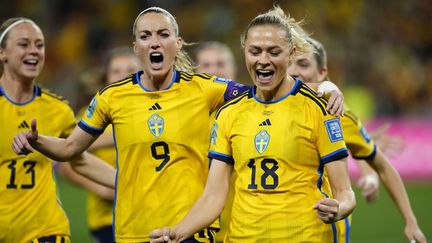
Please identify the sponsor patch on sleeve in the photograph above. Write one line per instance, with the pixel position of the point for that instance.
(334, 130)
(222, 80)
(234, 89)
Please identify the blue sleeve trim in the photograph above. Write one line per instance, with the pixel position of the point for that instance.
(222, 157)
(89, 129)
(234, 89)
(336, 155)
(369, 157)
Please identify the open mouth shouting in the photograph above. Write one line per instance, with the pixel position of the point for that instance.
(156, 60)
(264, 76)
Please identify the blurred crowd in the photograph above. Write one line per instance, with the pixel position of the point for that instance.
(379, 52)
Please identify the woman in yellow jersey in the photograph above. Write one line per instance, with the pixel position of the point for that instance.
(312, 69)
(279, 139)
(119, 63)
(160, 118)
(217, 59)
(29, 208)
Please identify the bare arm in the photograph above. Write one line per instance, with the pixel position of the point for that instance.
(94, 169)
(395, 187)
(343, 203)
(368, 182)
(69, 149)
(212, 202)
(58, 149)
(105, 140)
(67, 172)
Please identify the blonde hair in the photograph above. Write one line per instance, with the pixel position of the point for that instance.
(295, 35)
(6, 27)
(182, 60)
(319, 52)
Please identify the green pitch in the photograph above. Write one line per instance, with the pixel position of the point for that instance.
(379, 222)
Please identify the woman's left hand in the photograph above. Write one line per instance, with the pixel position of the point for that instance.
(335, 97)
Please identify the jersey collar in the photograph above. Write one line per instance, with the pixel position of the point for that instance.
(137, 79)
(292, 91)
(36, 92)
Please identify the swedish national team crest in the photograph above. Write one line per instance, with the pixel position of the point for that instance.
(156, 125)
(262, 140)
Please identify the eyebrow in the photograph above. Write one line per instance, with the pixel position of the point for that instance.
(28, 39)
(158, 31)
(270, 47)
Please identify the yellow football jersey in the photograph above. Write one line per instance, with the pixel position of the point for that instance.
(100, 210)
(357, 139)
(278, 150)
(29, 207)
(161, 147)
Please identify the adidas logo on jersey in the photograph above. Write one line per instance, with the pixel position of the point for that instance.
(265, 123)
(155, 107)
(23, 125)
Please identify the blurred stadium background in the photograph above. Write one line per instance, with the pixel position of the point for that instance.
(379, 53)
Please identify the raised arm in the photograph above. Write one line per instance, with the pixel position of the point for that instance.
(395, 187)
(58, 149)
(211, 202)
(343, 202)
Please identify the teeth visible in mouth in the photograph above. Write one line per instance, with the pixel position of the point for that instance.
(156, 54)
(31, 62)
(264, 74)
(156, 57)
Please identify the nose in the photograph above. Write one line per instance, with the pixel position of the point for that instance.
(154, 44)
(263, 59)
(34, 49)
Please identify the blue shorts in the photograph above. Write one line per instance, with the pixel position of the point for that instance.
(207, 235)
(103, 235)
(52, 239)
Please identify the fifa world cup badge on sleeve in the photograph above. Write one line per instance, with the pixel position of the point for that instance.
(334, 129)
(91, 108)
(365, 135)
(213, 134)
